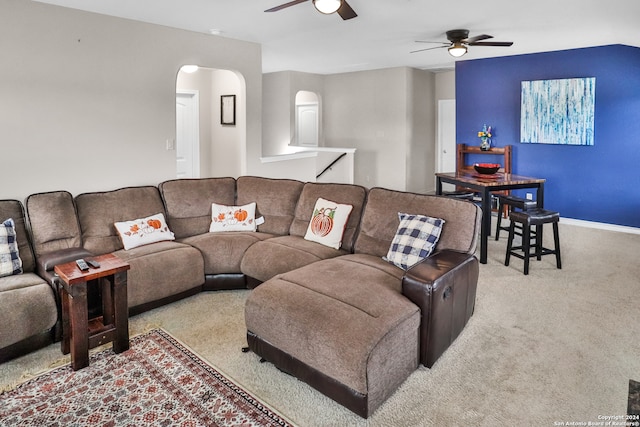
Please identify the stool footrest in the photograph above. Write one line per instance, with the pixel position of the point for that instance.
(521, 255)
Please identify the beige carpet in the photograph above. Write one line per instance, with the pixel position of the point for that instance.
(554, 346)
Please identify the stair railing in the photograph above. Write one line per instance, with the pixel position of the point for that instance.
(331, 165)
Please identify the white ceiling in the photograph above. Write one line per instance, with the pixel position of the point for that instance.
(301, 39)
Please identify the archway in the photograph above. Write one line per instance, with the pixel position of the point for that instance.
(222, 144)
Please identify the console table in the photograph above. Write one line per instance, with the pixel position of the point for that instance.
(79, 333)
(463, 166)
(463, 149)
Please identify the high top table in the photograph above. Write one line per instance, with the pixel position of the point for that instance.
(79, 332)
(484, 185)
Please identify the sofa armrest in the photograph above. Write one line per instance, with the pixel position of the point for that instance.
(46, 262)
(49, 260)
(444, 288)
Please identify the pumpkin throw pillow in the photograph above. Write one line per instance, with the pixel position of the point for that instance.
(328, 222)
(414, 241)
(10, 262)
(144, 231)
(233, 218)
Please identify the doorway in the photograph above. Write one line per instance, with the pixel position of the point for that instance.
(187, 134)
(307, 125)
(307, 119)
(446, 144)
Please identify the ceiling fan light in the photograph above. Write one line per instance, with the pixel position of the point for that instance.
(327, 6)
(189, 68)
(457, 50)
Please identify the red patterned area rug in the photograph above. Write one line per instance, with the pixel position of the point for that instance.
(158, 382)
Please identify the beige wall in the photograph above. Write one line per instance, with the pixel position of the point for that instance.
(88, 101)
(421, 145)
(445, 85)
(278, 107)
(277, 121)
(368, 111)
(388, 116)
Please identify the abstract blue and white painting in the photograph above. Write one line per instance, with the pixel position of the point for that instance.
(558, 111)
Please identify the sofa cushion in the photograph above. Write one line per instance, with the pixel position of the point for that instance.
(233, 218)
(188, 202)
(54, 221)
(223, 252)
(353, 195)
(285, 253)
(376, 263)
(161, 270)
(99, 211)
(143, 231)
(10, 262)
(414, 241)
(13, 209)
(27, 308)
(380, 220)
(328, 222)
(275, 201)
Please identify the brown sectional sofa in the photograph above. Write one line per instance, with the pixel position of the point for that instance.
(344, 320)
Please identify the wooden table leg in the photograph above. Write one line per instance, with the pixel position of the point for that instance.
(121, 315)
(66, 325)
(79, 326)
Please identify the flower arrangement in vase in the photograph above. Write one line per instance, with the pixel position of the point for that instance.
(485, 136)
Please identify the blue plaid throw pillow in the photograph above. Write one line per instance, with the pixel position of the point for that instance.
(10, 262)
(414, 241)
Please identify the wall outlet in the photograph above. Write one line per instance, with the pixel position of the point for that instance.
(171, 144)
(529, 196)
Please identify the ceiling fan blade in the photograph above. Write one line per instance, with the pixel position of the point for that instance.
(429, 48)
(477, 38)
(346, 12)
(506, 44)
(285, 5)
(427, 41)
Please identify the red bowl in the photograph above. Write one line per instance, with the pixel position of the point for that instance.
(486, 168)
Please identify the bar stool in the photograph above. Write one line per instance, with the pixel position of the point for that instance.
(513, 202)
(533, 217)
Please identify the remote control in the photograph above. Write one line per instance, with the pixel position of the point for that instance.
(82, 265)
(93, 263)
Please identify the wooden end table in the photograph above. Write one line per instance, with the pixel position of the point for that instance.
(79, 333)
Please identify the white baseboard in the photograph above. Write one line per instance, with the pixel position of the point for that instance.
(600, 225)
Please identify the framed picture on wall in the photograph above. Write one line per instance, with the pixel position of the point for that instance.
(228, 109)
(560, 111)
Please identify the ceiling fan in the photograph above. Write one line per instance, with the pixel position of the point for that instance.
(323, 6)
(459, 40)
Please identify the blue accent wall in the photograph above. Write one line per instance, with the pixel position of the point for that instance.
(594, 183)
